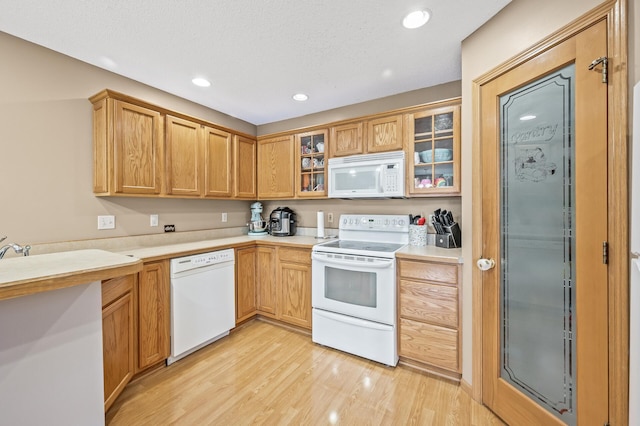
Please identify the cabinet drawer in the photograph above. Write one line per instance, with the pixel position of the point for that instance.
(433, 303)
(295, 255)
(428, 271)
(430, 344)
(115, 287)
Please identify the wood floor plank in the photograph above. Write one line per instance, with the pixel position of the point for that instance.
(264, 374)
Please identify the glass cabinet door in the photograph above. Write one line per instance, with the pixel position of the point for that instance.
(434, 146)
(311, 177)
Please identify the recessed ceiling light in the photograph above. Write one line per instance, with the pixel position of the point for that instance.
(202, 82)
(416, 19)
(527, 117)
(300, 97)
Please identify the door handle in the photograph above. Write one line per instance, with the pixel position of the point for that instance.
(485, 264)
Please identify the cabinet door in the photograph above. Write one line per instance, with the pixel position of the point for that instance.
(117, 336)
(137, 149)
(245, 168)
(384, 134)
(434, 151)
(310, 166)
(218, 156)
(430, 344)
(295, 294)
(266, 265)
(275, 168)
(346, 140)
(183, 156)
(153, 315)
(245, 283)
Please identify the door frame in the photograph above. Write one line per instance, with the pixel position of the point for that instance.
(615, 12)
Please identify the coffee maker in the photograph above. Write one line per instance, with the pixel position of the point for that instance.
(282, 222)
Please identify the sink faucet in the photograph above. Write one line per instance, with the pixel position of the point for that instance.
(17, 248)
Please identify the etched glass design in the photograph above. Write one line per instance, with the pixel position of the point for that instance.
(537, 283)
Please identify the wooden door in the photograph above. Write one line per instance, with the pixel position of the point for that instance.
(384, 134)
(245, 168)
(137, 149)
(183, 154)
(346, 139)
(275, 168)
(266, 266)
(117, 336)
(218, 154)
(153, 315)
(245, 283)
(295, 294)
(544, 217)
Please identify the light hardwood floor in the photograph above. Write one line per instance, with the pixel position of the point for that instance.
(266, 374)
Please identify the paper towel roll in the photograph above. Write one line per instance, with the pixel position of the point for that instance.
(320, 224)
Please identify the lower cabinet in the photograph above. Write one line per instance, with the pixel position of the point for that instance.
(245, 283)
(284, 284)
(429, 316)
(294, 267)
(154, 315)
(117, 336)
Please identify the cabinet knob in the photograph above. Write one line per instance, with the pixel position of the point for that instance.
(485, 264)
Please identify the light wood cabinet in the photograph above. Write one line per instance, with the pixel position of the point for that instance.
(276, 167)
(245, 283)
(295, 286)
(429, 316)
(384, 134)
(127, 148)
(153, 308)
(117, 336)
(310, 164)
(433, 151)
(183, 157)
(266, 280)
(245, 152)
(141, 149)
(347, 139)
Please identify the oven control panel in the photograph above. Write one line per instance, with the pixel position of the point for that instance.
(391, 223)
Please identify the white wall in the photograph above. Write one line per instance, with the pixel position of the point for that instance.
(518, 26)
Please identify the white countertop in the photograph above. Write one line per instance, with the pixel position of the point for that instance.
(21, 276)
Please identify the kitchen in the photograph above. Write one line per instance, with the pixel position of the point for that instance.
(46, 94)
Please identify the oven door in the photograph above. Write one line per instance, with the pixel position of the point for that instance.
(358, 286)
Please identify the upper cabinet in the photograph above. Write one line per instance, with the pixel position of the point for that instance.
(384, 134)
(379, 134)
(244, 160)
(310, 166)
(433, 160)
(276, 167)
(145, 150)
(127, 142)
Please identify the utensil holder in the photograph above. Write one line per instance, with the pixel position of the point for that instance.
(452, 238)
(418, 235)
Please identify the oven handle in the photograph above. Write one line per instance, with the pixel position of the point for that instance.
(377, 264)
(352, 321)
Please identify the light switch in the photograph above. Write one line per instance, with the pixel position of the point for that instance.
(106, 222)
(153, 220)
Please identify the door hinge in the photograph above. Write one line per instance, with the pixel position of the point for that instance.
(605, 252)
(604, 61)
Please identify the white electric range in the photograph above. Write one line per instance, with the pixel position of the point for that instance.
(354, 286)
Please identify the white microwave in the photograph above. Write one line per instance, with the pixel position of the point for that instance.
(367, 176)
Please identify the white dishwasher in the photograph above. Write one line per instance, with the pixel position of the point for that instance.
(202, 301)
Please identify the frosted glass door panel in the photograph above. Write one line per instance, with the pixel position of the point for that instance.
(537, 289)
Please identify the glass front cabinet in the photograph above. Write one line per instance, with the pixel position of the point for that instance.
(433, 163)
(311, 177)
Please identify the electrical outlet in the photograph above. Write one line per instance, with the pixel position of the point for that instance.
(224, 217)
(153, 220)
(330, 217)
(106, 222)
(169, 228)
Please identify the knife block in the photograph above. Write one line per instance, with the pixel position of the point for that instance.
(452, 238)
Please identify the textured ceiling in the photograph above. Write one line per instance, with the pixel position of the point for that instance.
(257, 54)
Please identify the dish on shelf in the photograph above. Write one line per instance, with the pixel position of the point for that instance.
(441, 154)
(444, 122)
